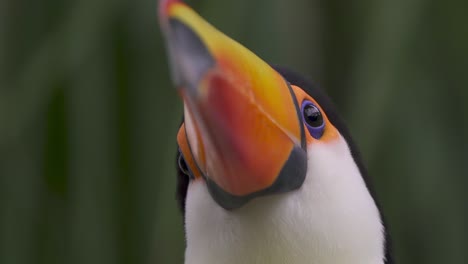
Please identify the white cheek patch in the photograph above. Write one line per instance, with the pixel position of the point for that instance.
(331, 219)
(339, 204)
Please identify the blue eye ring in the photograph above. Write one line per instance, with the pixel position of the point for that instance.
(313, 119)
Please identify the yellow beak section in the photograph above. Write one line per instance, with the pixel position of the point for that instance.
(242, 121)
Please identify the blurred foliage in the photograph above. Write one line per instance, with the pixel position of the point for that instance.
(88, 119)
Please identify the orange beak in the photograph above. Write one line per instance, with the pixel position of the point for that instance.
(242, 120)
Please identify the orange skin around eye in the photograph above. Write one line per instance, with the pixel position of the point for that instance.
(330, 133)
(185, 149)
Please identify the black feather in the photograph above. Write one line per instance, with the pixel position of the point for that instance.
(182, 185)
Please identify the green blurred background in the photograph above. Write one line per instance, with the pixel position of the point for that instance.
(88, 118)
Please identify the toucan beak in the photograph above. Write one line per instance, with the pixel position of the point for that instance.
(242, 119)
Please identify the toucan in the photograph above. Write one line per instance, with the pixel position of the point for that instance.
(267, 170)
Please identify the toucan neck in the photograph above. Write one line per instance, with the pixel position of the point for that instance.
(332, 218)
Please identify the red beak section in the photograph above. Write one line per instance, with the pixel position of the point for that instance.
(242, 124)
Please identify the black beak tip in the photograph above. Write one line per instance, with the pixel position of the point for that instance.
(188, 55)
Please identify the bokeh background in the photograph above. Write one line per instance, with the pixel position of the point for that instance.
(88, 119)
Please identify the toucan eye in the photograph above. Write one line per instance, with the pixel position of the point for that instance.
(183, 165)
(313, 119)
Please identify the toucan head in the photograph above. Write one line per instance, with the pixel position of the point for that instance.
(268, 147)
(246, 129)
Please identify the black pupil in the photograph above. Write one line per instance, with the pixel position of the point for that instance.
(312, 116)
(183, 165)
